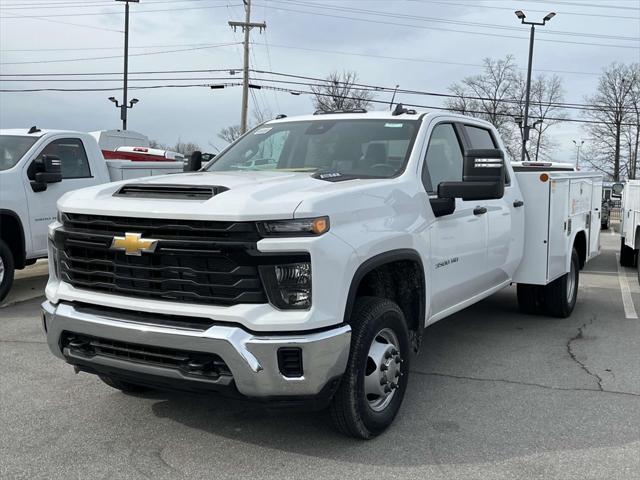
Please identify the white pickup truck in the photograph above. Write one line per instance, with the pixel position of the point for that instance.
(36, 168)
(303, 264)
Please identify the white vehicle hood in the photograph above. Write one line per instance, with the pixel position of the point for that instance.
(251, 195)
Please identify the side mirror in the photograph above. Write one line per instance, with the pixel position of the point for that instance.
(52, 170)
(616, 190)
(483, 177)
(193, 163)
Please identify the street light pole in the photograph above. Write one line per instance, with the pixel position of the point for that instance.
(526, 128)
(123, 107)
(578, 147)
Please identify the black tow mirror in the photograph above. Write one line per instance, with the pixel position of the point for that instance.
(52, 170)
(193, 163)
(483, 177)
(616, 190)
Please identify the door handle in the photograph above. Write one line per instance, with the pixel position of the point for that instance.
(518, 203)
(480, 210)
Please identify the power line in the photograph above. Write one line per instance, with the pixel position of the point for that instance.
(590, 5)
(118, 56)
(418, 60)
(422, 27)
(147, 87)
(87, 4)
(180, 9)
(387, 14)
(510, 9)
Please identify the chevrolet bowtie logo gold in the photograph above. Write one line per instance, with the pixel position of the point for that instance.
(134, 244)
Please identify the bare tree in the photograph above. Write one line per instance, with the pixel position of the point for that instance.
(547, 95)
(632, 132)
(340, 92)
(611, 107)
(185, 148)
(498, 96)
(488, 96)
(230, 134)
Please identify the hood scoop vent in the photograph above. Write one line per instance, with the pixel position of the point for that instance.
(178, 192)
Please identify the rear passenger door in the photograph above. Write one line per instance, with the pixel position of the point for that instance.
(505, 216)
(459, 240)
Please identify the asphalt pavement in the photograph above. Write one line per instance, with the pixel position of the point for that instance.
(494, 394)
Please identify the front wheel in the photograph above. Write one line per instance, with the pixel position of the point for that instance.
(560, 295)
(7, 269)
(373, 386)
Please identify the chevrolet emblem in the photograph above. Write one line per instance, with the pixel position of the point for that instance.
(134, 244)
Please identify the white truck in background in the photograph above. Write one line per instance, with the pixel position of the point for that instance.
(629, 221)
(36, 168)
(303, 263)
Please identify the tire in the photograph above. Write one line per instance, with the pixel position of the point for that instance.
(530, 298)
(7, 269)
(123, 386)
(628, 256)
(561, 294)
(378, 328)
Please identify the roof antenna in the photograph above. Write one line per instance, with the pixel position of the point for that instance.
(399, 110)
(34, 129)
(393, 97)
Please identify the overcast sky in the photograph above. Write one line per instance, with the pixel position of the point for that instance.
(418, 44)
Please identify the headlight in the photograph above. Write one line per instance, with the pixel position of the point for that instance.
(294, 228)
(288, 286)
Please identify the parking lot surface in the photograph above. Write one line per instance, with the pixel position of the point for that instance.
(493, 394)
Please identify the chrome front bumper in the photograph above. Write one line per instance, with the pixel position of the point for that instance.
(251, 358)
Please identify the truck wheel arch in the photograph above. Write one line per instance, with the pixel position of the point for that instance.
(580, 244)
(375, 277)
(12, 232)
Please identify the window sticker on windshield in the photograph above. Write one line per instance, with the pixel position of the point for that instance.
(393, 125)
(262, 131)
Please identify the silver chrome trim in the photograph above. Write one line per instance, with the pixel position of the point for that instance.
(252, 359)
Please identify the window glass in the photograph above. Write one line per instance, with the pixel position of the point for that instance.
(361, 148)
(12, 148)
(480, 137)
(73, 157)
(444, 158)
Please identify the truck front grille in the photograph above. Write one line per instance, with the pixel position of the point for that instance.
(213, 263)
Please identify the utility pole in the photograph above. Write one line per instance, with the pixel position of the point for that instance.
(123, 107)
(525, 127)
(246, 26)
(578, 147)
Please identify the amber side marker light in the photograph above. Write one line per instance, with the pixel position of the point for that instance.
(544, 177)
(320, 225)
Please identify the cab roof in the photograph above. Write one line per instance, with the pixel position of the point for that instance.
(24, 132)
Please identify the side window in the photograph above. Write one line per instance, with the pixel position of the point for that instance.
(267, 152)
(73, 157)
(443, 162)
(480, 137)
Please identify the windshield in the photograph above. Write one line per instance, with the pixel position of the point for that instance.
(363, 148)
(12, 149)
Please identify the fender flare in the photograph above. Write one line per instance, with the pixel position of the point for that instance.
(377, 261)
(19, 262)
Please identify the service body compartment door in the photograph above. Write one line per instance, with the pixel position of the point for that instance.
(596, 216)
(558, 229)
(533, 267)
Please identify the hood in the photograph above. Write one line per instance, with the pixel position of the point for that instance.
(244, 196)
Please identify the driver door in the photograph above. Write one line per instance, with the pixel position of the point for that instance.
(76, 173)
(459, 240)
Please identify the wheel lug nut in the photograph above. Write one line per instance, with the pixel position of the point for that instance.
(383, 368)
(388, 354)
(398, 359)
(394, 386)
(387, 389)
(394, 352)
(383, 381)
